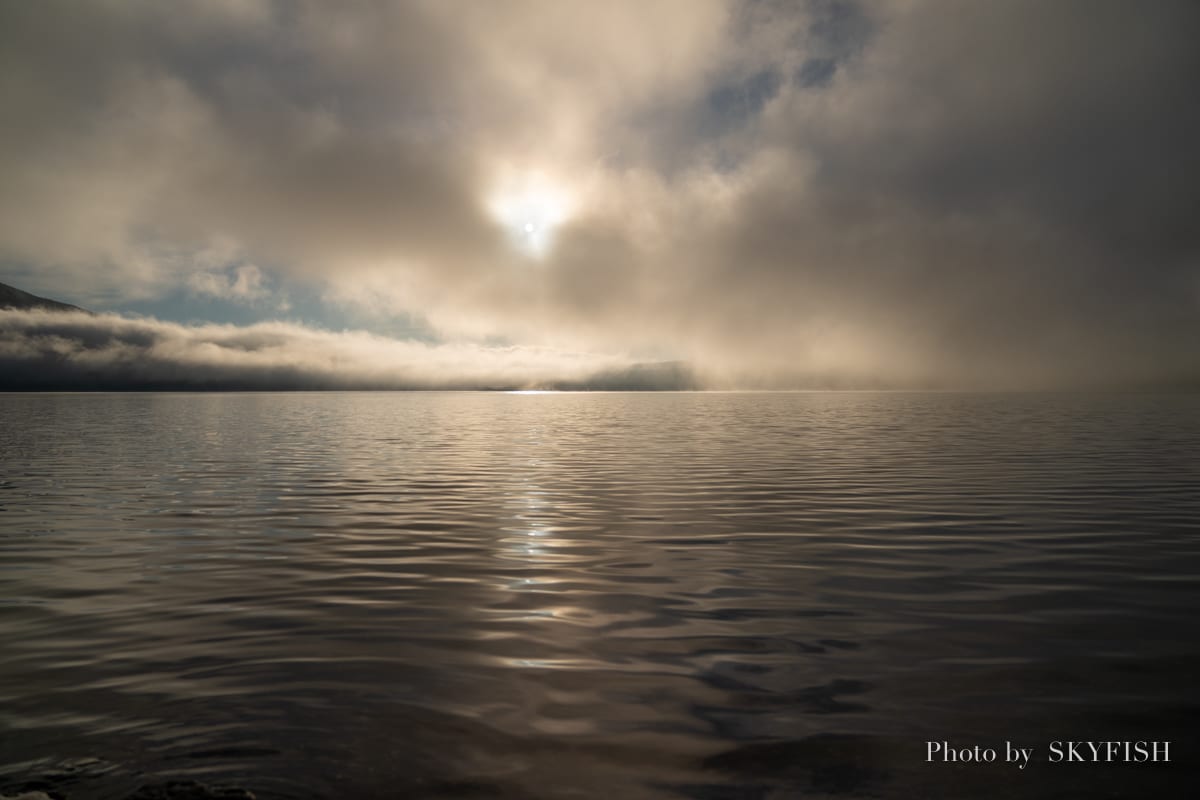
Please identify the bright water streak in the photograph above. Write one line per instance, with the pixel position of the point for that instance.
(572, 595)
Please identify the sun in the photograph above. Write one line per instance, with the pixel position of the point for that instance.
(530, 207)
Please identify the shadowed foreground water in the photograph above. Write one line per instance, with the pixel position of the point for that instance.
(594, 595)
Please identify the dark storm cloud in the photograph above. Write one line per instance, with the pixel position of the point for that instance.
(1014, 183)
(1078, 113)
(997, 195)
(922, 193)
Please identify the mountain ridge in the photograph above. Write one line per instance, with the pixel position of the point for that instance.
(12, 297)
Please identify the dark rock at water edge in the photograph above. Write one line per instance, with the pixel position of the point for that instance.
(189, 790)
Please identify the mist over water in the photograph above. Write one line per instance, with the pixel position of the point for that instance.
(656, 595)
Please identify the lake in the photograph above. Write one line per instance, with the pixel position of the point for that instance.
(578, 595)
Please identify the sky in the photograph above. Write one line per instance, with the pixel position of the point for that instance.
(458, 193)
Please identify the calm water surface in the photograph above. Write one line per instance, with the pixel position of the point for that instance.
(582, 595)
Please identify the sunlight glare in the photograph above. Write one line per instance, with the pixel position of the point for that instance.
(530, 208)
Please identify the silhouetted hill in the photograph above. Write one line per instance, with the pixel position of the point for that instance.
(12, 297)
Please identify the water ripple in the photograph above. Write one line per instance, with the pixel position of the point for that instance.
(667, 595)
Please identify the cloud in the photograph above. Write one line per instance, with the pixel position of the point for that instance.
(831, 192)
(78, 350)
(245, 283)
